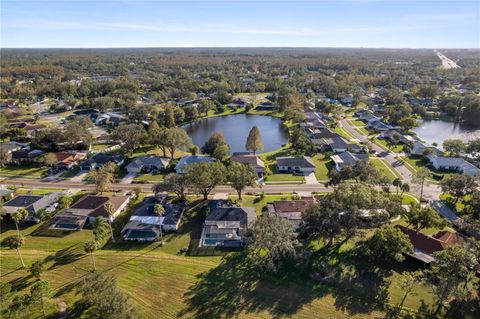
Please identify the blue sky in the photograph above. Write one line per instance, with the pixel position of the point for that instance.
(356, 23)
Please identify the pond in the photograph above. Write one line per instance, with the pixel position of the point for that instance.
(439, 130)
(236, 128)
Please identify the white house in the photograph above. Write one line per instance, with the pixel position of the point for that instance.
(453, 163)
(147, 164)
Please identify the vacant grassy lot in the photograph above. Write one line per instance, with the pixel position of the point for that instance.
(23, 172)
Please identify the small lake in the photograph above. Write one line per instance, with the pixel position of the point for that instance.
(440, 130)
(235, 128)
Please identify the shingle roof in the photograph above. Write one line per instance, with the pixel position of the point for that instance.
(22, 201)
(285, 206)
(248, 159)
(300, 161)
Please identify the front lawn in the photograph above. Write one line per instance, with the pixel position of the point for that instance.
(383, 143)
(23, 172)
(385, 168)
(344, 133)
(324, 165)
(154, 178)
(357, 123)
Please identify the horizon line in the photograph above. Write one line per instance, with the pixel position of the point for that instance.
(240, 47)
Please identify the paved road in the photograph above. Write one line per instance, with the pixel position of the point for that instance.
(283, 188)
(446, 62)
(430, 191)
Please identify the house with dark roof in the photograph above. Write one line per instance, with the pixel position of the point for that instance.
(291, 210)
(144, 223)
(397, 136)
(100, 159)
(86, 209)
(378, 125)
(295, 164)
(192, 159)
(425, 246)
(33, 204)
(226, 226)
(347, 158)
(265, 106)
(147, 164)
(249, 159)
(340, 145)
(26, 155)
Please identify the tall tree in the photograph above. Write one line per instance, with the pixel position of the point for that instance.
(423, 217)
(388, 244)
(419, 177)
(203, 177)
(159, 211)
(272, 242)
(40, 290)
(459, 185)
(16, 242)
(254, 140)
(90, 247)
(177, 138)
(241, 176)
(110, 209)
(36, 269)
(19, 216)
(132, 135)
(215, 141)
(450, 272)
(103, 177)
(174, 183)
(454, 146)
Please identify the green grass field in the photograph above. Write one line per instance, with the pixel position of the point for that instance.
(323, 166)
(383, 143)
(23, 172)
(385, 168)
(344, 133)
(165, 284)
(154, 178)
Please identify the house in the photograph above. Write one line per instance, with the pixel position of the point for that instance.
(100, 159)
(34, 204)
(7, 148)
(86, 209)
(146, 164)
(257, 164)
(347, 158)
(367, 116)
(32, 128)
(187, 160)
(419, 147)
(225, 226)
(453, 164)
(295, 164)
(265, 106)
(340, 145)
(397, 136)
(378, 125)
(144, 223)
(26, 156)
(238, 103)
(291, 210)
(425, 246)
(110, 118)
(347, 101)
(68, 159)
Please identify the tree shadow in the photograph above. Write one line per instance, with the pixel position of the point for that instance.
(65, 256)
(233, 288)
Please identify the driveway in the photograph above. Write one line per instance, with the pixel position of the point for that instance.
(79, 177)
(127, 179)
(445, 211)
(311, 179)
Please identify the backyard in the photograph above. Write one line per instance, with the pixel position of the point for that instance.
(172, 284)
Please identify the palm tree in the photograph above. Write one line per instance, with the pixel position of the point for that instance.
(20, 215)
(419, 178)
(110, 211)
(15, 242)
(397, 182)
(90, 247)
(405, 187)
(99, 229)
(159, 211)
